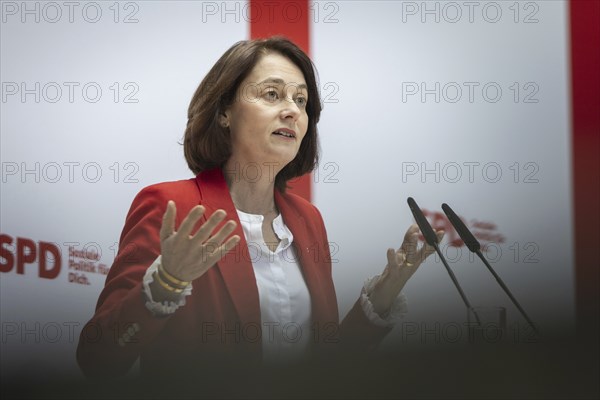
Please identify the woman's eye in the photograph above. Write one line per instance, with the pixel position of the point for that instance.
(271, 95)
(301, 101)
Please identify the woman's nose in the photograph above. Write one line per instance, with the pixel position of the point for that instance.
(290, 109)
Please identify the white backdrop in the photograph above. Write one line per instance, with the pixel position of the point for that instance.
(91, 112)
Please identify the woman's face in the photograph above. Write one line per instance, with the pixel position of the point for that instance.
(268, 118)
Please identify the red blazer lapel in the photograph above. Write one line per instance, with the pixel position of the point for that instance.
(235, 267)
(309, 255)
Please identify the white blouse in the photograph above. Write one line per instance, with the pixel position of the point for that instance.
(285, 306)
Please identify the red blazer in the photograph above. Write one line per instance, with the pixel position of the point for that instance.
(221, 317)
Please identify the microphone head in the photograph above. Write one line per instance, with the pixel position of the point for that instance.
(426, 229)
(465, 234)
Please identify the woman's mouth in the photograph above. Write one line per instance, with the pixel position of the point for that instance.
(288, 133)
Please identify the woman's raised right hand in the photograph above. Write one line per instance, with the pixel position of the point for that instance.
(187, 256)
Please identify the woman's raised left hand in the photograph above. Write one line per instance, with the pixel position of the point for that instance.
(401, 265)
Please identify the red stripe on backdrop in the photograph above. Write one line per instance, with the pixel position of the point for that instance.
(585, 81)
(290, 19)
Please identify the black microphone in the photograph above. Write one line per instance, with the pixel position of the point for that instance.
(473, 245)
(432, 240)
(426, 229)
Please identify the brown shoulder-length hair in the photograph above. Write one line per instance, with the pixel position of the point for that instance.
(207, 144)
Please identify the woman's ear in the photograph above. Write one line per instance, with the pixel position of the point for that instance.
(224, 120)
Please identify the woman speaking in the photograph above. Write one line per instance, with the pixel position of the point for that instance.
(228, 267)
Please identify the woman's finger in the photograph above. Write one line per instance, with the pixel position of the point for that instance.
(409, 245)
(206, 229)
(391, 257)
(222, 250)
(168, 224)
(440, 234)
(190, 221)
(221, 235)
(395, 258)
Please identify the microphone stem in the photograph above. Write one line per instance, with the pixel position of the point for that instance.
(460, 291)
(507, 291)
